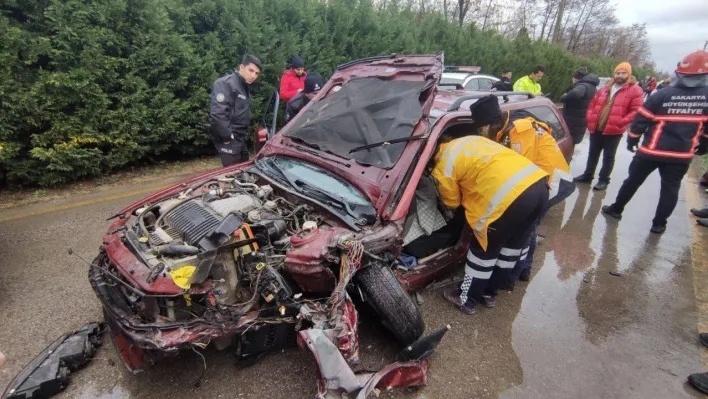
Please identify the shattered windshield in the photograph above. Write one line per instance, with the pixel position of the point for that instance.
(364, 111)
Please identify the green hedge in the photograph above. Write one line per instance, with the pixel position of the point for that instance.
(88, 86)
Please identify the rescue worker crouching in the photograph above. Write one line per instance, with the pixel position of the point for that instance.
(313, 84)
(521, 132)
(502, 193)
(674, 123)
(230, 111)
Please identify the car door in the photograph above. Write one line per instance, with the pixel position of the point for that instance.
(485, 84)
(472, 84)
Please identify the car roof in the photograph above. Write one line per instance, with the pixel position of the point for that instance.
(464, 75)
(513, 100)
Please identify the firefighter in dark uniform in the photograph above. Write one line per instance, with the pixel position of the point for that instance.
(674, 122)
(313, 84)
(230, 111)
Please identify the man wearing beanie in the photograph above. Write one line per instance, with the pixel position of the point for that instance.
(674, 123)
(293, 79)
(312, 85)
(502, 194)
(609, 114)
(576, 101)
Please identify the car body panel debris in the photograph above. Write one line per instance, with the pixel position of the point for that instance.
(48, 373)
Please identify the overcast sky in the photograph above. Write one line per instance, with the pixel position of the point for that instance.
(675, 27)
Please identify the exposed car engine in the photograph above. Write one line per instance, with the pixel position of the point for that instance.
(227, 238)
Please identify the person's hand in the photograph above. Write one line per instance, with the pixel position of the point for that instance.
(299, 90)
(702, 149)
(632, 144)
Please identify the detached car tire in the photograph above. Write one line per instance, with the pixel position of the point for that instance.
(394, 306)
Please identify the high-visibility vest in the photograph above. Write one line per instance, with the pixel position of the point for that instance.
(484, 177)
(532, 139)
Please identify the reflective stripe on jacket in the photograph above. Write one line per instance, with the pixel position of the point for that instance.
(483, 177)
(527, 84)
(532, 139)
(672, 122)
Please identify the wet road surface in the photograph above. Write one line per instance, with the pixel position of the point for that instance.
(574, 331)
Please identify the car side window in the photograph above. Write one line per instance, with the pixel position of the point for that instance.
(473, 84)
(546, 115)
(485, 84)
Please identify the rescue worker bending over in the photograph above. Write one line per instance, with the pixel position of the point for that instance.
(521, 132)
(230, 111)
(503, 194)
(674, 122)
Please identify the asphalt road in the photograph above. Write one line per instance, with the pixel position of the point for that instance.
(574, 331)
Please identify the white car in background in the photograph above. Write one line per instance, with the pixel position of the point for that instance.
(466, 78)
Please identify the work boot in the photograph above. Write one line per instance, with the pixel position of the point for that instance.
(610, 210)
(508, 286)
(487, 301)
(601, 186)
(658, 229)
(703, 338)
(583, 179)
(702, 222)
(525, 275)
(701, 213)
(452, 294)
(699, 381)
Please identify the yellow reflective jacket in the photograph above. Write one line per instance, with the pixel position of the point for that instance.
(482, 176)
(533, 140)
(527, 84)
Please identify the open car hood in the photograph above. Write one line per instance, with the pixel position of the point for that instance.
(369, 102)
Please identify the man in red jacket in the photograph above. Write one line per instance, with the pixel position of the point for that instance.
(293, 80)
(609, 114)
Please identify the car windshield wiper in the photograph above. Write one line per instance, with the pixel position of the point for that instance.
(387, 142)
(367, 213)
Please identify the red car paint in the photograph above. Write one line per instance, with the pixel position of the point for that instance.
(389, 190)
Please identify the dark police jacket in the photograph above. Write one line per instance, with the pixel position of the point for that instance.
(229, 112)
(675, 121)
(504, 84)
(295, 105)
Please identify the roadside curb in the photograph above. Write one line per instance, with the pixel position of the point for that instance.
(699, 256)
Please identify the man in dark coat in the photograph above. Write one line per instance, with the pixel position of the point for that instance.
(667, 131)
(230, 111)
(505, 83)
(313, 84)
(576, 101)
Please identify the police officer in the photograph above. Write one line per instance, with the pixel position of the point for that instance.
(230, 111)
(502, 194)
(313, 84)
(674, 122)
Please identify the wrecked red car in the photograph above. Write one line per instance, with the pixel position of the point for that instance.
(337, 204)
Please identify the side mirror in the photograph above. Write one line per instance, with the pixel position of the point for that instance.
(261, 138)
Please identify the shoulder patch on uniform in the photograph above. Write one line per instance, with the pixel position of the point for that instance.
(516, 147)
(220, 97)
(540, 131)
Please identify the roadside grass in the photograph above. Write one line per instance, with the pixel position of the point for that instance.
(125, 178)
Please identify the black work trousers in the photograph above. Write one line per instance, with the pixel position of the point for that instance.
(236, 151)
(671, 176)
(607, 146)
(488, 270)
